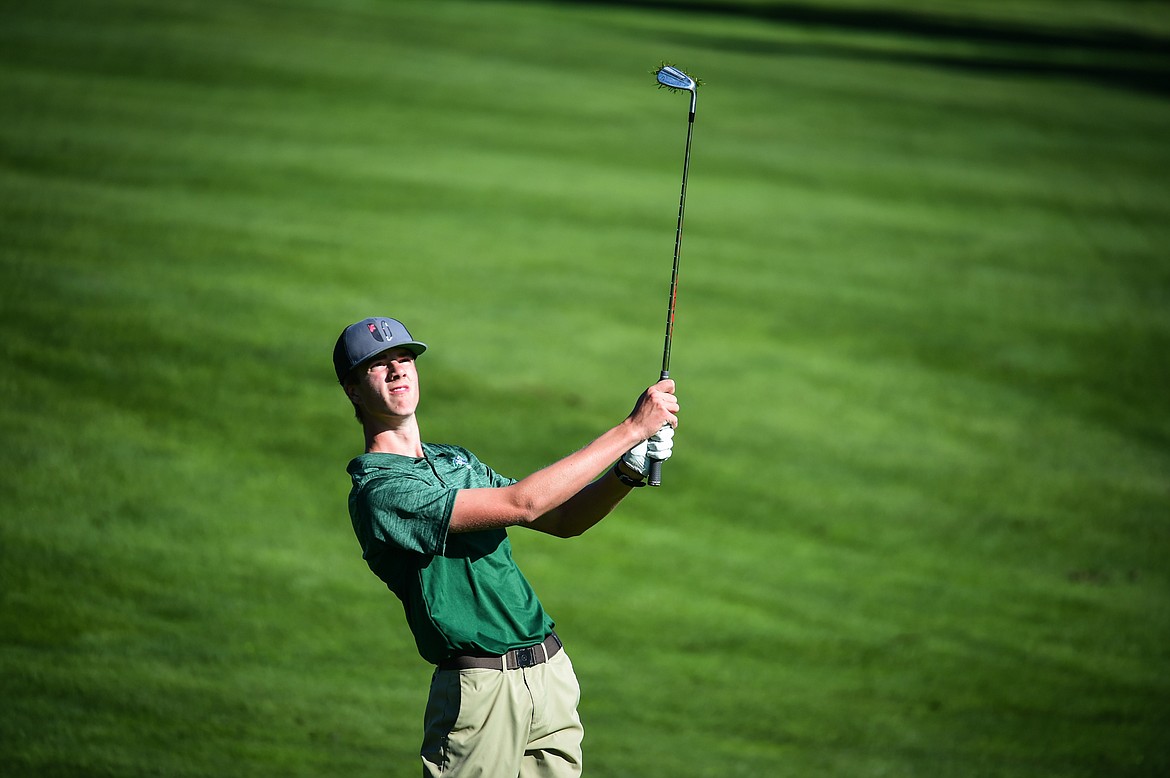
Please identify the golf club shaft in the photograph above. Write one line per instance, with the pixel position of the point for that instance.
(655, 475)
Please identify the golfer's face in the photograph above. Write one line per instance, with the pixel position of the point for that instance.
(390, 385)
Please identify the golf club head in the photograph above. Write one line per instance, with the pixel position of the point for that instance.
(673, 78)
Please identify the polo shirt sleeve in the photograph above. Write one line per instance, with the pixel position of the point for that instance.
(496, 480)
(405, 512)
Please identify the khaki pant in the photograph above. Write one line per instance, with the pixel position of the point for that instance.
(504, 723)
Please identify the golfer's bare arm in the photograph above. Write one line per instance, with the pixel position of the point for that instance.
(563, 499)
(584, 509)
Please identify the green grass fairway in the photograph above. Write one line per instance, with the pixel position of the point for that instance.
(918, 519)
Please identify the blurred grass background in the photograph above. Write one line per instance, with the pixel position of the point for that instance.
(918, 518)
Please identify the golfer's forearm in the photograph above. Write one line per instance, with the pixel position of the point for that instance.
(584, 509)
(555, 485)
(531, 498)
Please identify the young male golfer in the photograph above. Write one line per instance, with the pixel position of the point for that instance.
(432, 522)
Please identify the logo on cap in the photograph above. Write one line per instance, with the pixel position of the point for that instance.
(381, 331)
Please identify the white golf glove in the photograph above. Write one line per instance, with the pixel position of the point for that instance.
(657, 447)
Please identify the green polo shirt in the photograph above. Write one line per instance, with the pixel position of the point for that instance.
(462, 592)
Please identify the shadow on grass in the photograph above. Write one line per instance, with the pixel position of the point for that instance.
(1112, 57)
(1150, 80)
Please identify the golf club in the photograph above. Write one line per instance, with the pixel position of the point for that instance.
(672, 78)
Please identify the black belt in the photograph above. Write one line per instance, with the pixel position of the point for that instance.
(514, 659)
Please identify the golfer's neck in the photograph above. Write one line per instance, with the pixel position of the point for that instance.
(402, 438)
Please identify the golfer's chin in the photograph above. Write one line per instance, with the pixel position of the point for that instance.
(396, 410)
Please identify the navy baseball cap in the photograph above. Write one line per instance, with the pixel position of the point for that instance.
(368, 338)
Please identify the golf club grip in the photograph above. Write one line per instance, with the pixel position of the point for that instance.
(654, 471)
(655, 478)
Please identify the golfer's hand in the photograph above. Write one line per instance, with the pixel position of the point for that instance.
(659, 446)
(655, 409)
